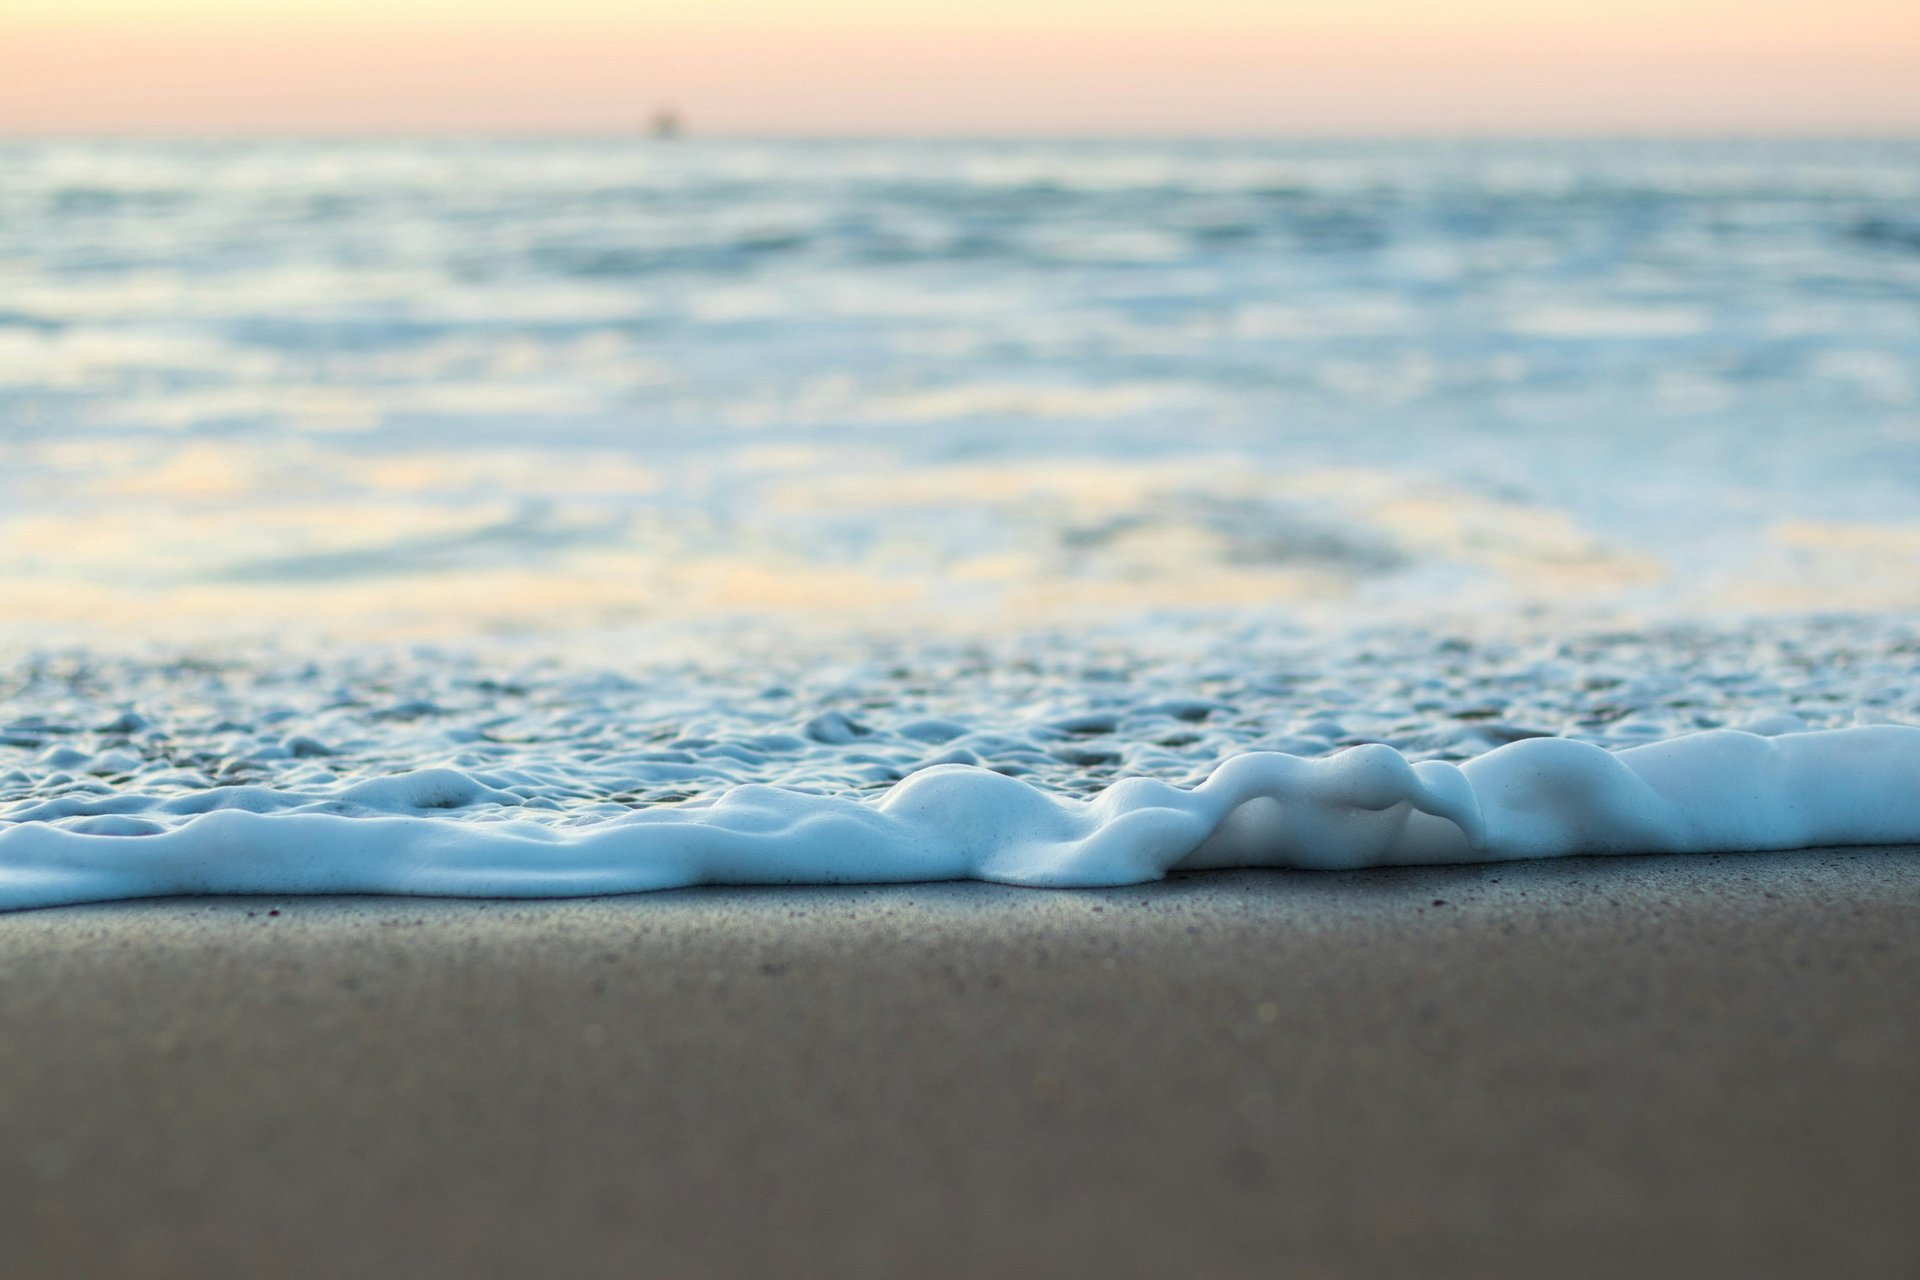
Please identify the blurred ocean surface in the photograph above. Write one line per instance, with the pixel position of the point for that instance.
(547, 495)
(459, 388)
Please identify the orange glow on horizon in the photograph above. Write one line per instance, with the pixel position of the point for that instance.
(863, 67)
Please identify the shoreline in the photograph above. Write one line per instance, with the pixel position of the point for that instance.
(1589, 1066)
(1540, 796)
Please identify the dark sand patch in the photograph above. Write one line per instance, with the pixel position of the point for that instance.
(1591, 1067)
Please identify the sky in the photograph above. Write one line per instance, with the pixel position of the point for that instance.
(966, 67)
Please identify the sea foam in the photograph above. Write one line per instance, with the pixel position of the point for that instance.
(1716, 791)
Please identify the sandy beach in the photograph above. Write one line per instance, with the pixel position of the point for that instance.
(1586, 1067)
(852, 640)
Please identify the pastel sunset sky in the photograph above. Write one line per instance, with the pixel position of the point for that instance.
(843, 67)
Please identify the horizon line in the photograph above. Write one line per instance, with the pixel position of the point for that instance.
(640, 131)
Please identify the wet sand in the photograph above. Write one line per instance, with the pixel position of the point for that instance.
(1591, 1067)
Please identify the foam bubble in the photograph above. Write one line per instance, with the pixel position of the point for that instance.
(1721, 790)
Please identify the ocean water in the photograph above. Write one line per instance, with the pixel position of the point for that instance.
(556, 516)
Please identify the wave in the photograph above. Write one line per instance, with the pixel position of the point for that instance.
(1718, 791)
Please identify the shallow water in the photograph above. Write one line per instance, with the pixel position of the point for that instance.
(557, 482)
(428, 388)
(1065, 759)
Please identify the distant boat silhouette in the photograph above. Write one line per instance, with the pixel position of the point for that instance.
(667, 124)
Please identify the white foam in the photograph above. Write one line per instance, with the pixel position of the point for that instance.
(1718, 791)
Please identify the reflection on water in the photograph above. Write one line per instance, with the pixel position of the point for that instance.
(439, 387)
